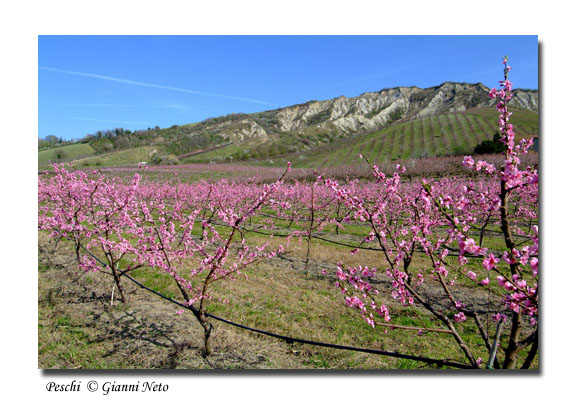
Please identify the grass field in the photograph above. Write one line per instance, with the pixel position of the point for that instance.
(79, 328)
(64, 153)
(218, 155)
(118, 158)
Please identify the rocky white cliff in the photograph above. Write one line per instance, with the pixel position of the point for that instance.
(365, 113)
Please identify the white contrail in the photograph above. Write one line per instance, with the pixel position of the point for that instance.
(107, 120)
(123, 105)
(142, 84)
(104, 105)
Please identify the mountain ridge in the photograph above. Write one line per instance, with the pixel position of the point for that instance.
(368, 111)
(304, 127)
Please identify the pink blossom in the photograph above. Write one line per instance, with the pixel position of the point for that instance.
(460, 317)
(484, 282)
(490, 262)
(534, 266)
(468, 162)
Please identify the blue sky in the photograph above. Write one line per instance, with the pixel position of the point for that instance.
(88, 83)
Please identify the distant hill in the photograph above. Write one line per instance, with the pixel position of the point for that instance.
(447, 134)
(65, 153)
(402, 122)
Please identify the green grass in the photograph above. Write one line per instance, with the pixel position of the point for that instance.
(158, 281)
(69, 152)
(223, 154)
(64, 340)
(121, 157)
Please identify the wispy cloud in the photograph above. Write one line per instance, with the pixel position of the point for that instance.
(142, 84)
(179, 106)
(124, 105)
(107, 120)
(104, 105)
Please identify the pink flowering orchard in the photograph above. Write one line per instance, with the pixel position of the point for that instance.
(461, 253)
(136, 225)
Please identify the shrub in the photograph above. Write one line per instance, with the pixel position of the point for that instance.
(494, 146)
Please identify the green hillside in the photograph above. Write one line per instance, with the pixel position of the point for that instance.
(121, 157)
(447, 134)
(455, 133)
(65, 153)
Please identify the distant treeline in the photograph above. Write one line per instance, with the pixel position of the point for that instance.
(176, 139)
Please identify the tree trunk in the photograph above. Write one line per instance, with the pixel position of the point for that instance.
(207, 327)
(118, 285)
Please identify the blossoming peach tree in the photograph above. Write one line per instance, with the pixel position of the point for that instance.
(447, 222)
(124, 227)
